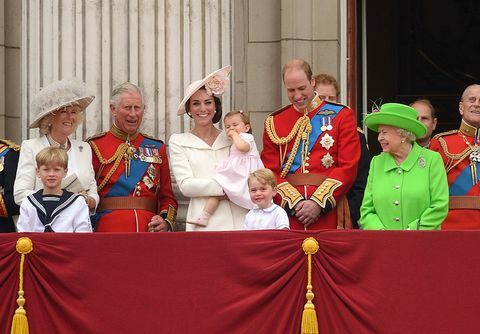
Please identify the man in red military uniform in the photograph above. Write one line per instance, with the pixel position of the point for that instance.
(312, 146)
(132, 171)
(460, 150)
(9, 153)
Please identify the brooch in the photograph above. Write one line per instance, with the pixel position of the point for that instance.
(327, 141)
(327, 160)
(421, 162)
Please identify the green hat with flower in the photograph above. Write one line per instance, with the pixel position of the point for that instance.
(397, 115)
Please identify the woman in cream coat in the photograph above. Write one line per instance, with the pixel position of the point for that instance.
(193, 155)
(57, 112)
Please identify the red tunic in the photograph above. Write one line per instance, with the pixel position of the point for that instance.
(329, 165)
(148, 181)
(464, 211)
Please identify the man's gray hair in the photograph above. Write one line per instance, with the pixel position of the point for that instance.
(123, 88)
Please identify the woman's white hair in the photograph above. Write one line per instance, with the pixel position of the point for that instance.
(409, 135)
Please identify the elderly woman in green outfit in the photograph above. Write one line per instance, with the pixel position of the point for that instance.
(407, 185)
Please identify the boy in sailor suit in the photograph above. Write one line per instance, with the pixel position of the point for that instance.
(53, 209)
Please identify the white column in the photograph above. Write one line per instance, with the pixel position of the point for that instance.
(161, 45)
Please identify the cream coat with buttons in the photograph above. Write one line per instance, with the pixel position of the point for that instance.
(193, 163)
(79, 163)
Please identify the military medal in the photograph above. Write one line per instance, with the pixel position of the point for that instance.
(150, 155)
(323, 127)
(329, 126)
(148, 182)
(152, 172)
(327, 160)
(2, 164)
(474, 159)
(327, 141)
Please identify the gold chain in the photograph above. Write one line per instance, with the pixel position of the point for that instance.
(272, 134)
(303, 133)
(117, 156)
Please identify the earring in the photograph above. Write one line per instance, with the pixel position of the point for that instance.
(403, 141)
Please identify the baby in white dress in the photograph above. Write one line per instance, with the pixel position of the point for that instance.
(232, 173)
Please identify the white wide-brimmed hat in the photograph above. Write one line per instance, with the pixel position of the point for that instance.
(214, 83)
(59, 94)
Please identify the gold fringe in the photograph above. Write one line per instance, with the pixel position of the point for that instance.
(20, 320)
(309, 316)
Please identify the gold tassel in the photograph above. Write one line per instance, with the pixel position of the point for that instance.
(20, 320)
(309, 316)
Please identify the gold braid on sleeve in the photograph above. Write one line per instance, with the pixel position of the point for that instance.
(453, 159)
(117, 157)
(301, 130)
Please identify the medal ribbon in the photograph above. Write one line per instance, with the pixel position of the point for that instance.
(316, 121)
(125, 186)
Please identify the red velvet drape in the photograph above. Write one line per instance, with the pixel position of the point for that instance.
(244, 282)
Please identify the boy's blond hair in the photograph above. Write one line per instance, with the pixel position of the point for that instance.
(264, 176)
(55, 156)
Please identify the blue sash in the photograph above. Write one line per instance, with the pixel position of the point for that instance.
(4, 152)
(316, 121)
(463, 183)
(124, 186)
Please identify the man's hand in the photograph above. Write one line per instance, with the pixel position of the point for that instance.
(158, 224)
(307, 211)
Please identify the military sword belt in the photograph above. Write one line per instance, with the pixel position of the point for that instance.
(464, 202)
(127, 203)
(304, 179)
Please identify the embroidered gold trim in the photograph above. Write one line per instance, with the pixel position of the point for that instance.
(171, 216)
(3, 207)
(325, 191)
(453, 159)
(117, 157)
(301, 130)
(289, 194)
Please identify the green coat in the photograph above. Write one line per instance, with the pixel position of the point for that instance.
(411, 196)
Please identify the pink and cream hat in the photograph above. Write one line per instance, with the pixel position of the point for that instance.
(214, 83)
(57, 95)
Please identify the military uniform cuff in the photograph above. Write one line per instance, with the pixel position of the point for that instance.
(290, 195)
(323, 196)
(169, 216)
(3, 207)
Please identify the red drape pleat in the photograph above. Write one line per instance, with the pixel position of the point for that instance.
(244, 282)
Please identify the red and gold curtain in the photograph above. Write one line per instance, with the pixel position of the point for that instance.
(244, 282)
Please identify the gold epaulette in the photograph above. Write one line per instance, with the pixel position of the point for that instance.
(95, 136)
(278, 111)
(446, 133)
(325, 191)
(338, 104)
(151, 137)
(10, 144)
